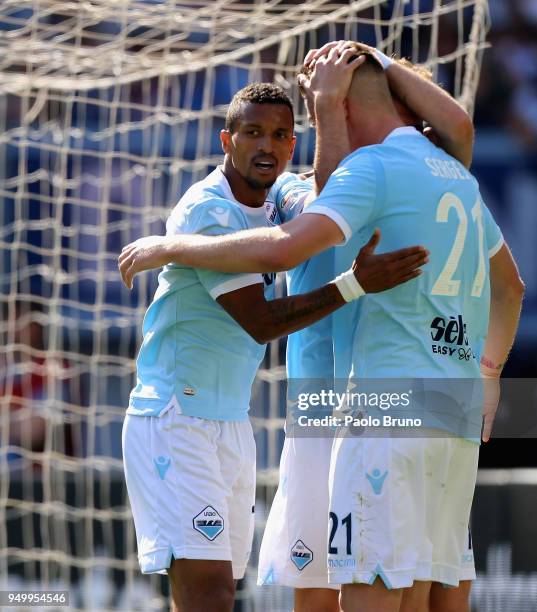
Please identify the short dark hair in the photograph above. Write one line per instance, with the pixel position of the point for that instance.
(256, 93)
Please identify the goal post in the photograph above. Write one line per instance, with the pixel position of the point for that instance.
(109, 111)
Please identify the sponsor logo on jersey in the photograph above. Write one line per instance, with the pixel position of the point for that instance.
(376, 480)
(189, 391)
(162, 464)
(450, 338)
(301, 555)
(209, 523)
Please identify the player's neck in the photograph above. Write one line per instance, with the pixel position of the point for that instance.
(243, 192)
(372, 129)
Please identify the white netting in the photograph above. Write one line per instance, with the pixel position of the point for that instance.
(109, 110)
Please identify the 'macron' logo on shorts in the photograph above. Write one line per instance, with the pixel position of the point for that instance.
(301, 555)
(209, 523)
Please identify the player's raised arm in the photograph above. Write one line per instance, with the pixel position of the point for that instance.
(451, 123)
(324, 84)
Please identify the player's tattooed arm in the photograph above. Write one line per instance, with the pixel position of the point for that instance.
(506, 294)
(267, 320)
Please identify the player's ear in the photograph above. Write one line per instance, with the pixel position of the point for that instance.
(225, 139)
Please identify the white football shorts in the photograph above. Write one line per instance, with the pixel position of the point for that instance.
(399, 510)
(294, 547)
(191, 485)
(467, 571)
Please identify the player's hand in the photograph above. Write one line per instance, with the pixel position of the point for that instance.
(377, 273)
(314, 54)
(332, 73)
(491, 398)
(143, 254)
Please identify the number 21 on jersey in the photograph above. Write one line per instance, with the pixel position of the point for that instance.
(445, 284)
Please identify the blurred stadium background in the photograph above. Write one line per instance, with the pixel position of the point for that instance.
(109, 110)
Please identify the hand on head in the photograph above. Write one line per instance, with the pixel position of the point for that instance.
(328, 71)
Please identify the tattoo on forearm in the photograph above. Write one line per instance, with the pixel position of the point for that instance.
(299, 307)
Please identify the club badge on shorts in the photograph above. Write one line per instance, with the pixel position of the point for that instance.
(209, 523)
(301, 555)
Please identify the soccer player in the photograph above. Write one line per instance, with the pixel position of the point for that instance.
(295, 542)
(294, 545)
(397, 180)
(188, 447)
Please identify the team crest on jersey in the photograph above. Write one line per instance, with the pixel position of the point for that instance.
(301, 555)
(209, 523)
(271, 212)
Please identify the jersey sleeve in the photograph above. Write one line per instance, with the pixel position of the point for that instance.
(217, 217)
(352, 194)
(493, 234)
(290, 192)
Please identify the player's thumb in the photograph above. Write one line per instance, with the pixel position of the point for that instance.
(373, 242)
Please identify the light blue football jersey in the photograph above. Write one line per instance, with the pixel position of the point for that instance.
(193, 352)
(435, 325)
(309, 351)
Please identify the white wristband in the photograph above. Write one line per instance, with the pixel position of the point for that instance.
(348, 286)
(383, 59)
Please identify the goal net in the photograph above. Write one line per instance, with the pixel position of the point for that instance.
(109, 110)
